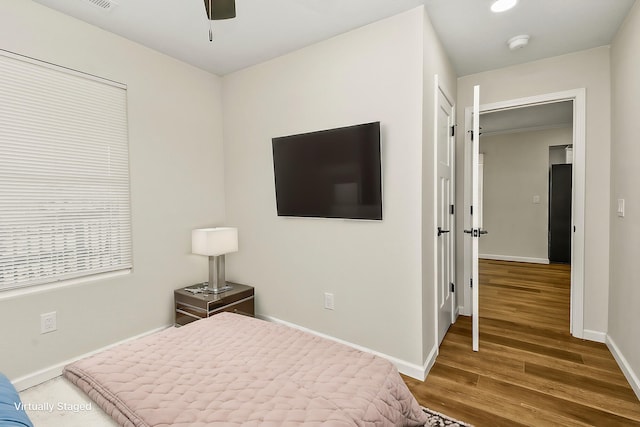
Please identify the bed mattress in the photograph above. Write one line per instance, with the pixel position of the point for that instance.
(233, 370)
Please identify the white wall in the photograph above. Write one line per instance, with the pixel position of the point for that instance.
(374, 268)
(176, 165)
(624, 316)
(516, 168)
(379, 272)
(587, 69)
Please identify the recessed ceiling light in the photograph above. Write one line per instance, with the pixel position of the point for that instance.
(502, 5)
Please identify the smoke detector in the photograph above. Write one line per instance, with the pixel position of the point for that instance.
(102, 4)
(518, 42)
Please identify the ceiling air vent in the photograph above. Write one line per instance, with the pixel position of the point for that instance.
(102, 4)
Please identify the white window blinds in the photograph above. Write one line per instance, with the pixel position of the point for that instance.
(64, 174)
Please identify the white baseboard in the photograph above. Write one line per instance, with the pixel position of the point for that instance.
(514, 258)
(407, 368)
(428, 364)
(594, 336)
(627, 370)
(46, 374)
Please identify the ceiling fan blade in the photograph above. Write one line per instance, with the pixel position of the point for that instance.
(220, 9)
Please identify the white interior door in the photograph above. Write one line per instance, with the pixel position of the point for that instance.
(444, 214)
(480, 189)
(475, 226)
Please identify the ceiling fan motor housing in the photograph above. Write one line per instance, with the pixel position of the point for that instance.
(220, 9)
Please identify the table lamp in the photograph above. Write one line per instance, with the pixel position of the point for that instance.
(215, 243)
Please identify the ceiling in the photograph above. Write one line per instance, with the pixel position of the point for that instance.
(530, 118)
(474, 37)
(263, 29)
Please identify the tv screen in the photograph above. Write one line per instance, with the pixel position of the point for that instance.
(331, 173)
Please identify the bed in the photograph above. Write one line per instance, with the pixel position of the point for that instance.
(233, 370)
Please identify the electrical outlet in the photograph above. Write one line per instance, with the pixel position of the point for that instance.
(48, 322)
(328, 301)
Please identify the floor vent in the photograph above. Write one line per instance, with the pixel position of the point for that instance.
(103, 4)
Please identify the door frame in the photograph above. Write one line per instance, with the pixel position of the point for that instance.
(578, 96)
(438, 88)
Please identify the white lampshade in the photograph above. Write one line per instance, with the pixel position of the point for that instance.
(214, 241)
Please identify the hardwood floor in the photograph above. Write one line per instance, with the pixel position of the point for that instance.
(529, 371)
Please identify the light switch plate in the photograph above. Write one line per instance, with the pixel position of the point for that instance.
(328, 301)
(621, 208)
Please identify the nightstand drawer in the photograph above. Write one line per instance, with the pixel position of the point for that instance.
(184, 317)
(244, 306)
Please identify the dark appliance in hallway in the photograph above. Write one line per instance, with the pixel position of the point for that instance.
(560, 213)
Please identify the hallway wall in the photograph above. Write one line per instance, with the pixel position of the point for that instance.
(516, 170)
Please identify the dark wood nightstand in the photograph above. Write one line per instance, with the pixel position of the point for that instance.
(195, 306)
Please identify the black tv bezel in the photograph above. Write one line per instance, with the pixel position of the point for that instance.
(378, 216)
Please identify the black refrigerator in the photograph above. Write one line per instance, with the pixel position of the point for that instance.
(560, 226)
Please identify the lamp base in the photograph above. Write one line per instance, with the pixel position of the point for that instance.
(216, 284)
(206, 290)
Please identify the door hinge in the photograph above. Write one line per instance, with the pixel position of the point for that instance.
(471, 282)
(471, 209)
(471, 135)
(452, 209)
(453, 287)
(453, 130)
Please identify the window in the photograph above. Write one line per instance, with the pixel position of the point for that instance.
(64, 174)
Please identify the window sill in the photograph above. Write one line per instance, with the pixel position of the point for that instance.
(20, 292)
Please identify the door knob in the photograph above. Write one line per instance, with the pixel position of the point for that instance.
(441, 231)
(475, 232)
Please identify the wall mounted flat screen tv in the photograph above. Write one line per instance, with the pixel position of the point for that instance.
(333, 173)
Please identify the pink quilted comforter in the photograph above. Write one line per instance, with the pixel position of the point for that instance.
(232, 370)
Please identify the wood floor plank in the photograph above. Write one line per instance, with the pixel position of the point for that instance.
(597, 394)
(514, 360)
(485, 399)
(583, 382)
(536, 336)
(529, 371)
(455, 406)
(554, 405)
